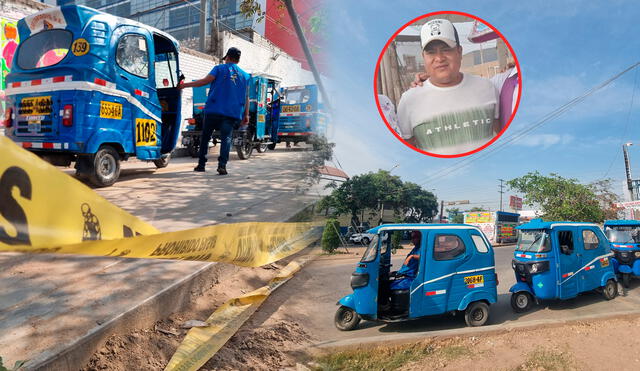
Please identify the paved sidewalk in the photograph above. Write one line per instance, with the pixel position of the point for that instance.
(54, 310)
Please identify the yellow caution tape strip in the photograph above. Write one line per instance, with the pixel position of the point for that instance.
(42, 207)
(247, 244)
(43, 210)
(202, 343)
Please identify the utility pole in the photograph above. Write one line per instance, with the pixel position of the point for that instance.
(627, 168)
(441, 210)
(203, 24)
(307, 52)
(501, 191)
(214, 42)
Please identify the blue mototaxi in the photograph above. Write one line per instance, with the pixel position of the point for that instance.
(624, 236)
(302, 115)
(261, 132)
(93, 88)
(455, 273)
(559, 260)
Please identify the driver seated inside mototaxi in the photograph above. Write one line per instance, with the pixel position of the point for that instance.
(409, 268)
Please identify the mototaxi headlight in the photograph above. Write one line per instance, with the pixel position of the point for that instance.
(538, 267)
(637, 254)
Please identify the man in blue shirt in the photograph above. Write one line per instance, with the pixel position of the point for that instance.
(227, 106)
(409, 268)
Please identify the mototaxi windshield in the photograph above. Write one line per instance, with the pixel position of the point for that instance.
(533, 241)
(623, 234)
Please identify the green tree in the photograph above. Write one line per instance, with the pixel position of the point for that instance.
(559, 198)
(373, 190)
(330, 237)
(606, 197)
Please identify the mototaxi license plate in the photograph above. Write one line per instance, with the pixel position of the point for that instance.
(287, 109)
(472, 280)
(34, 126)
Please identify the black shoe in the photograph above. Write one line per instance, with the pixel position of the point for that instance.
(199, 168)
(222, 171)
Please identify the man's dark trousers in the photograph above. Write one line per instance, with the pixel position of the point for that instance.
(225, 125)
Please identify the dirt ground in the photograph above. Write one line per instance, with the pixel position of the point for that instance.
(598, 345)
(270, 345)
(277, 338)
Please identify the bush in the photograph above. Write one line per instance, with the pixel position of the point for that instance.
(330, 237)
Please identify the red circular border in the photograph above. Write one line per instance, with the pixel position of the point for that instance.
(386, 46)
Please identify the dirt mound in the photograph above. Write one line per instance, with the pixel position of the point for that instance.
(256, 346)
(263, 348)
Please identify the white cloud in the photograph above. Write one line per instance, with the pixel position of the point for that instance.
(544, 140)
(351, 25)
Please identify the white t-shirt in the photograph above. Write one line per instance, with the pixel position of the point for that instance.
(450, 120)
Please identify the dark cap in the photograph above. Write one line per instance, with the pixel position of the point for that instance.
(233, 53)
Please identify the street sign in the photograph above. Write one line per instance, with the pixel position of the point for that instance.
(628, 205)
(462, 202)
(515, 202)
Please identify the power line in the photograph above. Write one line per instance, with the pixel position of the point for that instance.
(553, 114)
(626, 126)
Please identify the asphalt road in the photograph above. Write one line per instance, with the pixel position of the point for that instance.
(311, 297)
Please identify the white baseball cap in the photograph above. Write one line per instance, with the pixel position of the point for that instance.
(439, 29)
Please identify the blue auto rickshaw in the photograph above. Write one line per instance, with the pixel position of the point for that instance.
(93, 88)
(624, 236)
(559, 260)
(302, 117)
(454, 272)
(261, 132)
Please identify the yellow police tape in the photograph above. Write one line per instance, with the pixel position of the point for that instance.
(41, 206)
(202, 343)
(43, 210)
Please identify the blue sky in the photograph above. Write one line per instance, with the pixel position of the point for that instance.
(564, 49)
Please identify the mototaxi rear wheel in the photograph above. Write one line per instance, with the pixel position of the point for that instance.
(105, 167)
(476, 314)
(610, 290)
(521, 301)
(346, 319)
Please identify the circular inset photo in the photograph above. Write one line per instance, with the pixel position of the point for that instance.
(447, 84)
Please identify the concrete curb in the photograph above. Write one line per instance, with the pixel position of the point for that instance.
(144, 314)
(393, 339)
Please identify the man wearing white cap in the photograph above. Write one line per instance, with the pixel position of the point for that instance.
(452, 112)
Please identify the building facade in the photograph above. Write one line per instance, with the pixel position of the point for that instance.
(179, 18)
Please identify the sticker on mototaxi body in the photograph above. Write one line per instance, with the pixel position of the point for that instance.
(80, 47)
(146, 132)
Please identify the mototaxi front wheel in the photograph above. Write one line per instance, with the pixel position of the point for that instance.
(626, 277)
(346, 319)
(521, 301)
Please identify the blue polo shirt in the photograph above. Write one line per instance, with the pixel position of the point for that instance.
(228, 92)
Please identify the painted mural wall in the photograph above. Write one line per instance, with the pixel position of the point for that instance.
(8, 44)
